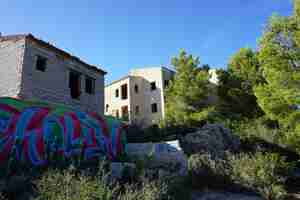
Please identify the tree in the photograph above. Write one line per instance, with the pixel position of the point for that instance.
(279, 57)
(187, 92)
(236, 85)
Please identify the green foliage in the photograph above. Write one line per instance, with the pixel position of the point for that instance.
(235, 89)
(56, 185)
(187, 92)
(154, 190)
(264, 173)
(69, 184)
(279, 57)
(261, 128)
(205, 171)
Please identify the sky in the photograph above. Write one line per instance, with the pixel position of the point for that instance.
(119, 35)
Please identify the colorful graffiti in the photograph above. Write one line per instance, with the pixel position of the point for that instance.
(35, 132)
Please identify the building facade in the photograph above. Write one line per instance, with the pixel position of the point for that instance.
(32, 69)
(139, 97)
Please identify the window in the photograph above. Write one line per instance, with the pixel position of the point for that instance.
(136, 88)
(166, 83)
(117, 114)
(74, 84)
(106, 108)
(125, 113)
(124, 94)
(154, 108)
(137, 110)
(89, 85)
(153, 86)
(117, 93)
(41, 63)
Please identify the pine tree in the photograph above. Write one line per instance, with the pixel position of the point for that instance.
(279, 57)
(188, 90)
(236, 85)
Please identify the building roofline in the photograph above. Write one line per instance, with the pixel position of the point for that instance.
(53, 48)
(168, 69)
(118, 80)
(129, 76)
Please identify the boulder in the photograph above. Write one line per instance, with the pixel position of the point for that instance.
(166, 156)
(214, 139)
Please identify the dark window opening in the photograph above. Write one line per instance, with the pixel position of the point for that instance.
(41, 63)
(153, 86)
(106, 108)
(117, 114)
(124, 93)
(166, 83)
(117, 93)
(89, 85)
(154, 108)
(137, 110)
(125, 113)
(74, 84)
(136, 89)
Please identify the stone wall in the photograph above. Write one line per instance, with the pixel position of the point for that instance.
(11, 60)
(53, 84)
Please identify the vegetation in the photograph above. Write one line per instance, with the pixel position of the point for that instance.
(236, 85)
(260, 173)
(187, 93)
(264, 173)
(258, 98)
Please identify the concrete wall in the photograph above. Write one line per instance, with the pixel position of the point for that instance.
(11, 60)
(141, 78)
(157, 75)
(53, 84)
(116, 103)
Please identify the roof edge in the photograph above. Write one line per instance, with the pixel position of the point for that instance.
(62, 52)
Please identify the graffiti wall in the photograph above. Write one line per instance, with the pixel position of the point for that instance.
(37, 132)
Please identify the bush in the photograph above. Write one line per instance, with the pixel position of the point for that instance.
(206, 171)
(155, 190)
(264, 173)
(82, 185)
(56, 185)
(260, 128)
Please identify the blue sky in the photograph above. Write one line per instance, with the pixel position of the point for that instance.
(122, 34)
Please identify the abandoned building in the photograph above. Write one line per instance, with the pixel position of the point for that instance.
(139, 97)
(32, 69)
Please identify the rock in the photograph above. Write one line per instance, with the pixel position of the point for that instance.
(167, 156)
(122, 170)
(214, 139)
(210, 195)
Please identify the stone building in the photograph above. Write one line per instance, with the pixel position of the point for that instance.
(139, 97)
(32, 69)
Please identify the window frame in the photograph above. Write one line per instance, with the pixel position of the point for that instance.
(124, 91)
(154, 108)
(93, 85)
(79, 82)
(137, 110)
(136, 88)
(153, 86)
(41, 60)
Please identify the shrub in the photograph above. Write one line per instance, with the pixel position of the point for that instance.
(262, 129)
(206, 171)
(264, 173)
(155, 190)
(56, 185)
